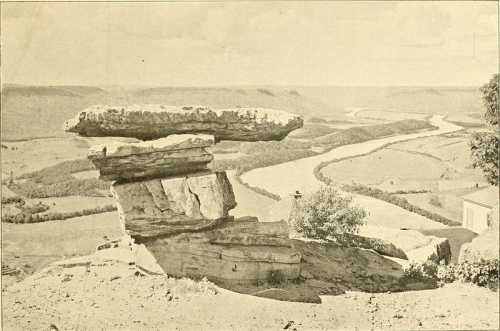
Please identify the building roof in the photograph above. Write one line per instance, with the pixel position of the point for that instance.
(486, 197)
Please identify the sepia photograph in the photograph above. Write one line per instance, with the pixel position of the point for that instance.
(237, 165)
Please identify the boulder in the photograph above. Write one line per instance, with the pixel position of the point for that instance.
(166, 206)
(418, 247)
(174, 155)
(436, 250)
(223, 254)
(485, 246)
(148, 122)
(380, 246)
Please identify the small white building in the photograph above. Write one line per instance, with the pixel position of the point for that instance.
(480, 209)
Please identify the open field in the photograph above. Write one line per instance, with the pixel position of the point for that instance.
(386, 166)
(439, 166)
(32, 246)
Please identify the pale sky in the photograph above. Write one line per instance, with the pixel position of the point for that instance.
(242, 43)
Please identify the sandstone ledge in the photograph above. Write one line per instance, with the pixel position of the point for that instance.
(174, 155)
(148, 122)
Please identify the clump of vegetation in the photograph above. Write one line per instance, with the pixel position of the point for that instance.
(59, 172)
(317, 120)
(58, 181)
(484, 145)
(484, 273)
(276, 277)
(35, 214)
(398, 201)
(327, 213)
(360, 134)
(425, 271)
(434, 200)
(264, 154)
(266, 92)
(7, 200)
(85, 187)
(310, 131)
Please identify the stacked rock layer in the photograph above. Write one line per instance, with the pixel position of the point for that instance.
(171, 202)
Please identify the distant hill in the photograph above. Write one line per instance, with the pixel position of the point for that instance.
(223, 97)
(49, 91)
(443, 100)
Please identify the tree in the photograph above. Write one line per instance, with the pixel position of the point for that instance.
(327, 213)
(490, 99)
(484, 145)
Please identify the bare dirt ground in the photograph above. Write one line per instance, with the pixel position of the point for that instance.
(112, 297)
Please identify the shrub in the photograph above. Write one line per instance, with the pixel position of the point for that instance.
(266, 92)
(276, 277)
(8, 200)
(327, 213)
(483, 273)
(421, 271)
(434, 200)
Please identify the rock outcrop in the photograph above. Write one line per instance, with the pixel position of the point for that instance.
(174, 155)
(437, 250)
(148, 122)
(172, 204)
(380, 246)
(238, 251)
(483, 247)
(166, 206)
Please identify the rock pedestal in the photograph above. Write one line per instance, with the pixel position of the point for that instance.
(169, 201)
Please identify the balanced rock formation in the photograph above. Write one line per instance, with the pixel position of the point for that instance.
(149, 122)
(173, 155)
(172, 204)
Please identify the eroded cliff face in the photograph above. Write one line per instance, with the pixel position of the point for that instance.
(148, 122)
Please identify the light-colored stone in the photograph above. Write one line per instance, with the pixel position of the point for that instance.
(156, 207)
(438, 249)
(485, 246)
(148, 122)
(173, 155)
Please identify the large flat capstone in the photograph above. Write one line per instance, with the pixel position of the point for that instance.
(173, 155)
(148, 122)
(166, 206)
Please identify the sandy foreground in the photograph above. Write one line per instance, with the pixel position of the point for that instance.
(114, 296)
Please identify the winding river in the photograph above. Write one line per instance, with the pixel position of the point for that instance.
(285, 178)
